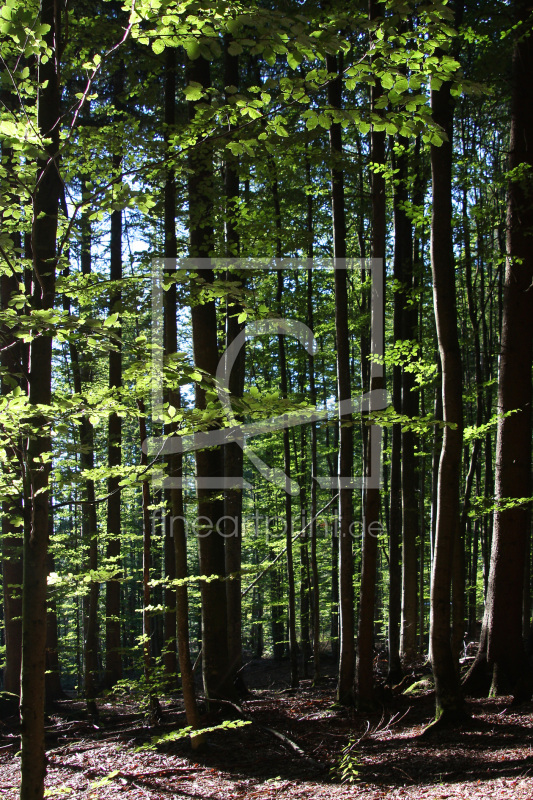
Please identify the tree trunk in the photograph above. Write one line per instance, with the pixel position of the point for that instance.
(113, 641)
(233, 452)
(170, 338)
(345, 685)
(501, 643)
(293, 643)
(372, 496)
(403, 240)
(215, 668)
(449, 702)
(315, 606)
(155, 710)
(44, 241)
(82, 374)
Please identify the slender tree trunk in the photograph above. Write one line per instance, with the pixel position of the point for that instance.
(403, 239)
(315, 608)
(155, 710)
(44, 241)
(395, 516)
(170, 338)
(435, 459)
(233, 452)
(113, 638)
(345, 685)
(372, 497)
(293, 643)
(460, 590)
(81, 376)
(449, 702)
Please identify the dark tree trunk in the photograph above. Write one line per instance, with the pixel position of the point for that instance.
(345, 686)
(277, 615)
(155, 710)
(81, 376)
(460, 589)
(315, 606)
(233, 452)
(170, 336)
(293, 643)
(113, 641)
(44, 241)
(372, 496)
(449, 702)
(403, 239)
(209, 466)
(501, 643)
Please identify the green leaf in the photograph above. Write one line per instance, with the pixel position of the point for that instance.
(194, 91)
(111, 321)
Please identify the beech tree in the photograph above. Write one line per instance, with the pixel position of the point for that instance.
(46, 202)
(449, 699)
(502, 646)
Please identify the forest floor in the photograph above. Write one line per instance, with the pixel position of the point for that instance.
(490, 757)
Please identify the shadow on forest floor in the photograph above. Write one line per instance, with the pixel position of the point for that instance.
(492, 757)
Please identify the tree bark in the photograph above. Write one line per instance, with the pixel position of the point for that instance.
(113, 640)
(403, 240)
(233, 452)
(44, 248)
(501, 645)
(372, 496)
(449, 701)
(293, 644)
(82, 374)
(345, 685)
(215, 667)
(170, 337)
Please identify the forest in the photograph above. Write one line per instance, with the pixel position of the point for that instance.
(266, 345)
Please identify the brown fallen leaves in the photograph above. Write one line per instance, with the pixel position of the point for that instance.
(493, 758)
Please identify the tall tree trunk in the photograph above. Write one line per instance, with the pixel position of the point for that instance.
(459, 588)
(403, 238)
(293, 643)
(449, 702)
(215, 668)
(501, 643)
(395, 514)
(155, 710)
(170, 342)
(112, 634)
(44, 241)
(372, 496)
(345, 685)
(113, 638)
(175, 463)
(81, 376)
(315, 607)
(233, 452)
